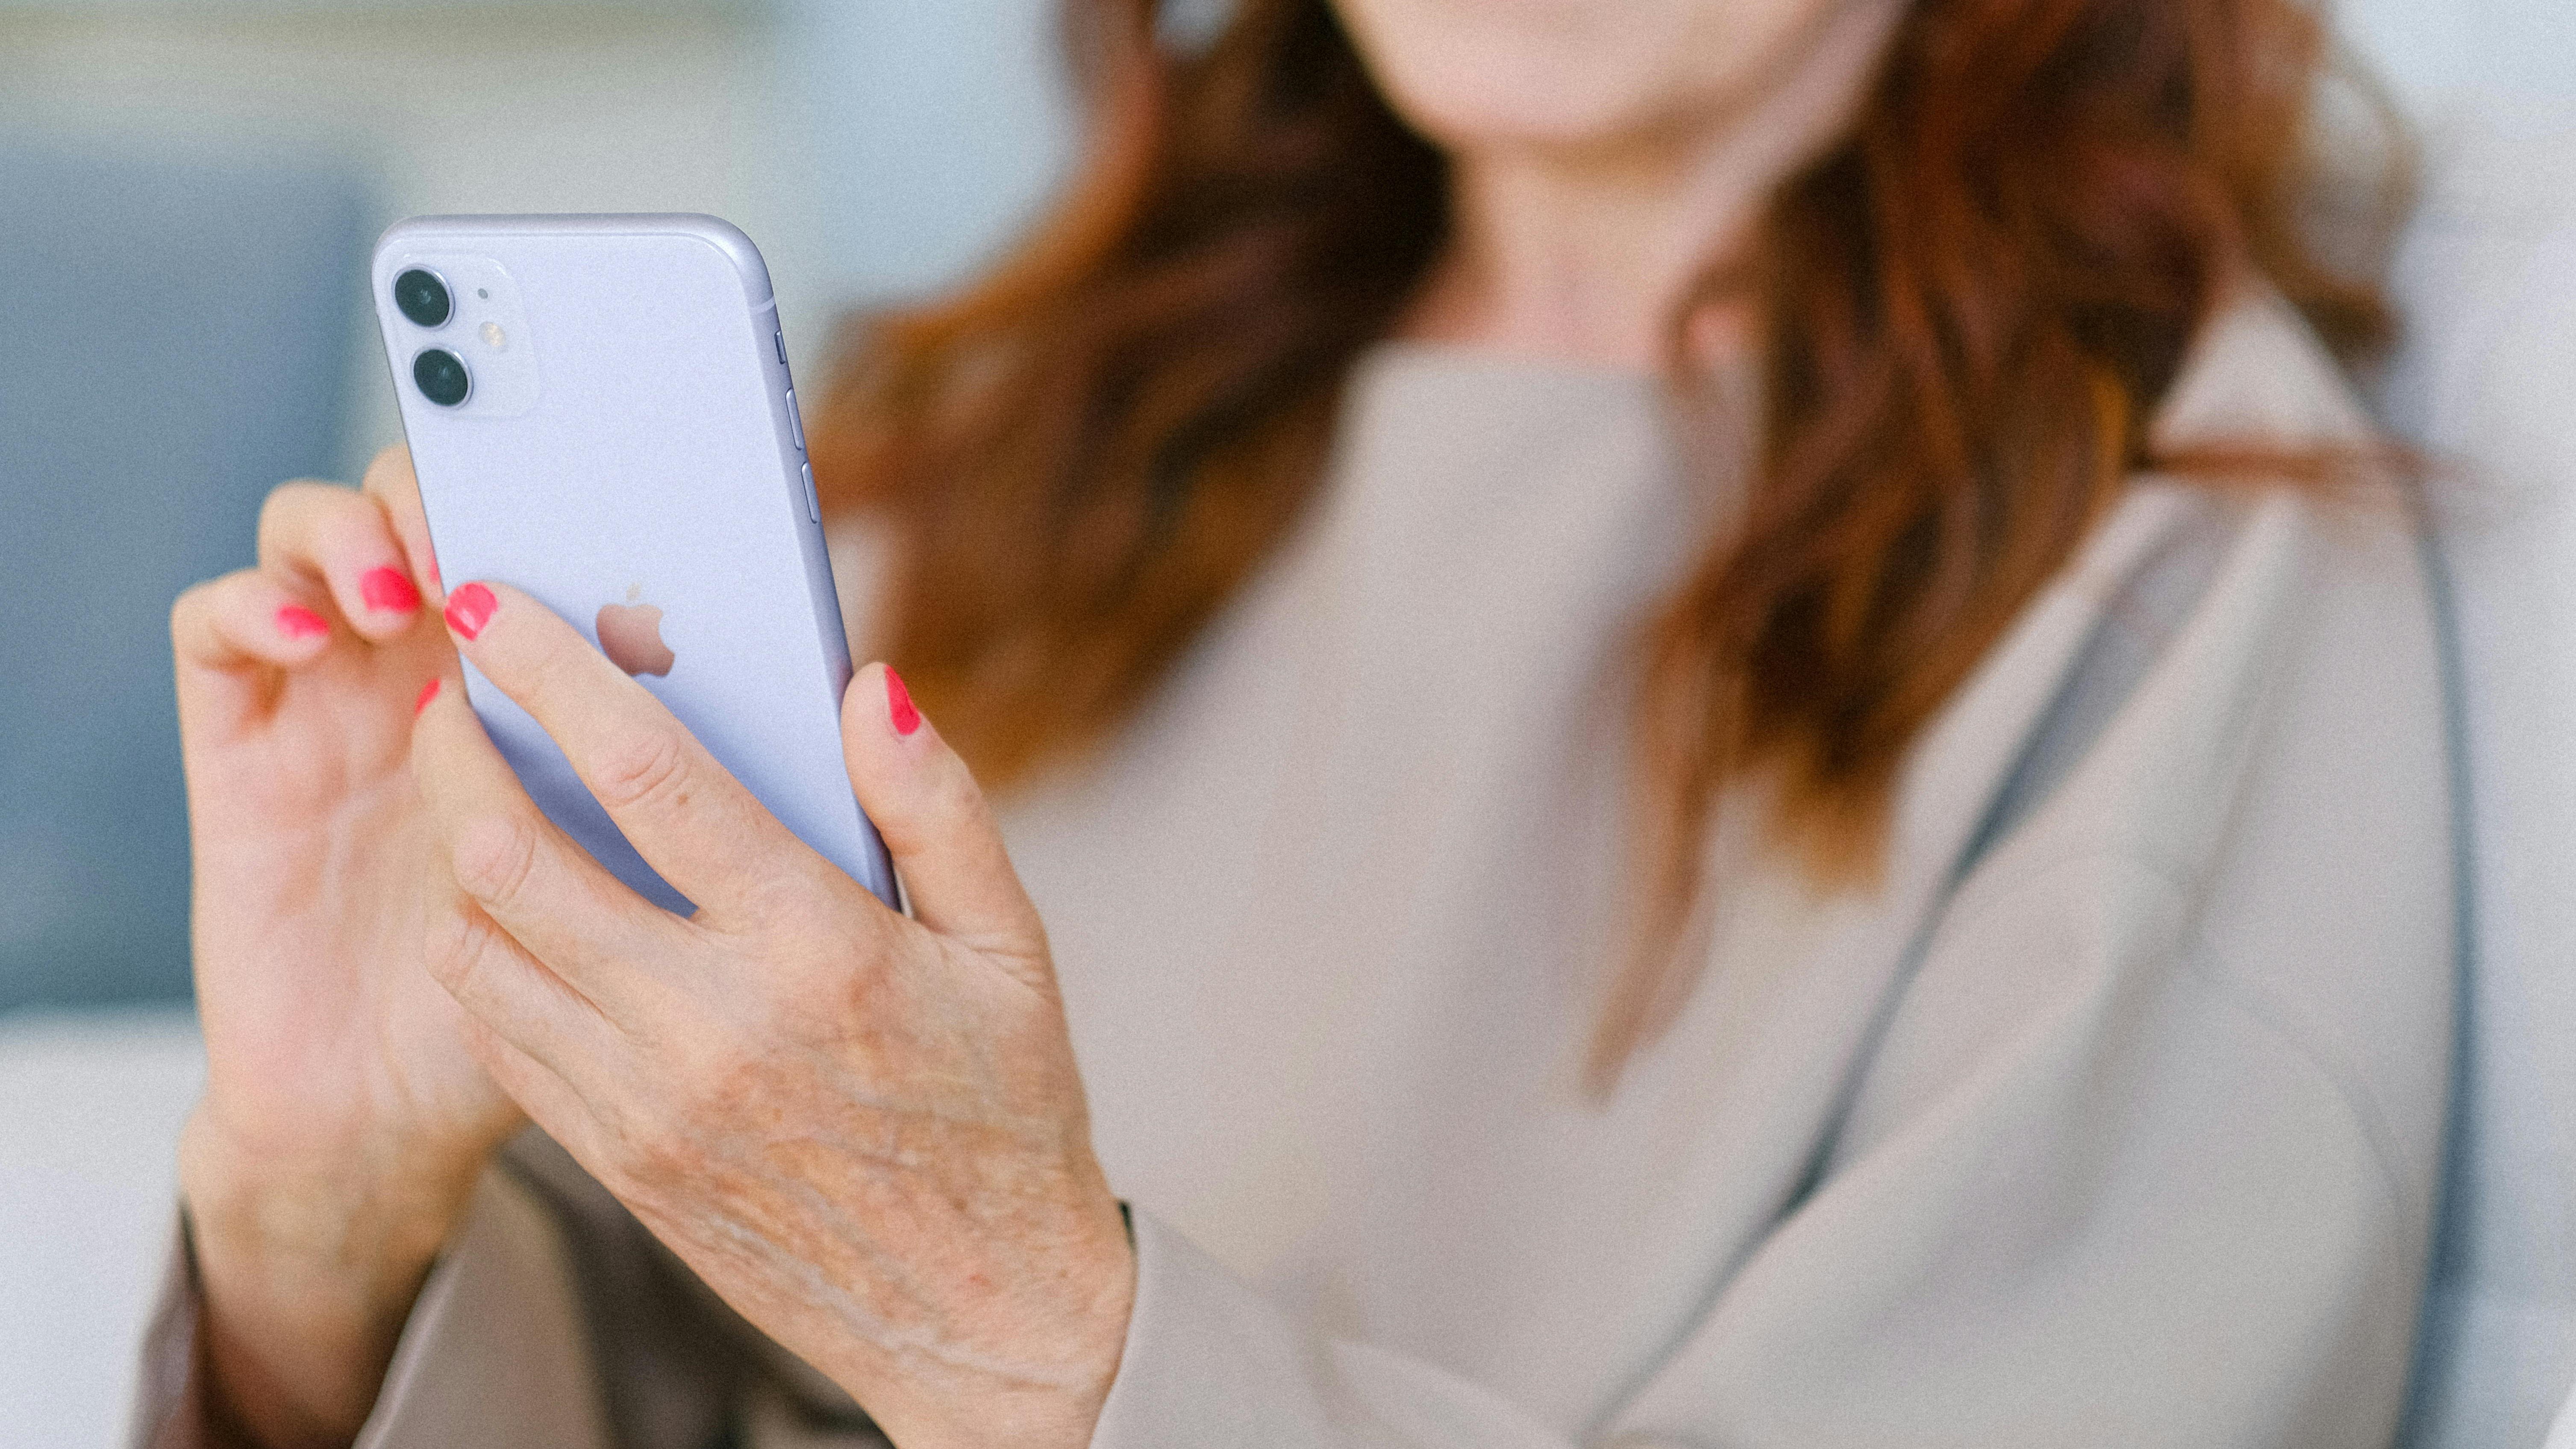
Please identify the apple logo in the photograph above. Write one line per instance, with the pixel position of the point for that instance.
(630, 634)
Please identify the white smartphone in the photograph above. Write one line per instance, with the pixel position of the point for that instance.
(600, 413)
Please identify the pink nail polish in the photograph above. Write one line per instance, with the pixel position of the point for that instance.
(470, 608)
(428, 692)
(386, 590)
(298, 622)
(899, 708)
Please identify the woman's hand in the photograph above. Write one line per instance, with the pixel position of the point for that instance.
(865, 1131)
(344, 1119)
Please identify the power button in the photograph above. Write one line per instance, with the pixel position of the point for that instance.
(813, 505)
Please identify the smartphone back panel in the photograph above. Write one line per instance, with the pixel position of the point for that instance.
(626, 451)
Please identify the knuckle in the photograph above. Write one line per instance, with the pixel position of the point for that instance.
(959, 800)
(793, 904)
(285, 503)
(946, 806)
(493, 1051)
(195, 602)
(460, 952)
(643, 771)
(951, 808)
(386, 470)
(493, 857)
(303, 520)
(346, 521)
(207, 612)
(280, 501)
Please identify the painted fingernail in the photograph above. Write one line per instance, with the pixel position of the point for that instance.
(470, 608)
(428, 692)
(899, 708)
(298, 622)
(386, 589)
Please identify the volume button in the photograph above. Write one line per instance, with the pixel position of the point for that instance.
(813, 505)
(795, 420)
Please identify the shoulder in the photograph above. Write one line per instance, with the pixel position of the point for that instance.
(2237, 788)
(2219, 655)
(2217, 632)
(2258, 373)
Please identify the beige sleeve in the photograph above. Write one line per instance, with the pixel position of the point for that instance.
(167, 1410)
(2117, 1195)
(494, 1354)
(2143, 1214)
(1210, 1361)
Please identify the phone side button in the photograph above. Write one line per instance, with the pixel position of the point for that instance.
(813, 505)
(795, 420)
(779, 341)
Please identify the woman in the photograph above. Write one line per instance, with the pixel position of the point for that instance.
(1717, 741)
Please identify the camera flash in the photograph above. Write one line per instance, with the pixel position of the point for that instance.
(493, 336)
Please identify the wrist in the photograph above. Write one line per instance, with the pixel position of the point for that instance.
(1033, 1377)
(352, 1218)
(307, 1271)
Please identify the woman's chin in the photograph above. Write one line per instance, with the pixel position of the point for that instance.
(1493, 117)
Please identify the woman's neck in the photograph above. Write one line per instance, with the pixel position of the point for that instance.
(1582, 255)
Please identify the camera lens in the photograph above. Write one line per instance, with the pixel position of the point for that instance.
(423, 298)
(442, 377)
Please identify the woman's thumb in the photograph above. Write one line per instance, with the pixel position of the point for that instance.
(936, 824)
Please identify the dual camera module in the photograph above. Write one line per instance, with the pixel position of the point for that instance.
(440, 374)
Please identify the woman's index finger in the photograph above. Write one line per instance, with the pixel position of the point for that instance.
(687, 815)
(531, 881)
(394, 485)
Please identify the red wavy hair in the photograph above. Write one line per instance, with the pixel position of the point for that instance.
(1969, 306)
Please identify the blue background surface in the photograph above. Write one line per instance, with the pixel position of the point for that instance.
(172, 344)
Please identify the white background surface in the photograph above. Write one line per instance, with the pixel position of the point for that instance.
(2487, 381)
(89, 1108)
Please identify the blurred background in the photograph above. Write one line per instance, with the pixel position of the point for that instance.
(188, 190)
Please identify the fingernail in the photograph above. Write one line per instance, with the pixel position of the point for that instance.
(899, 704)
(428, 692)
(387, 590)
(470, 608)
(298, 622)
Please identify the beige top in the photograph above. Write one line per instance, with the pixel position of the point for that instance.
(2111, 1117)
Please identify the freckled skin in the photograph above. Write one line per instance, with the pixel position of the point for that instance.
(865, 1131)
(343, 1118)
(838, 1203)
